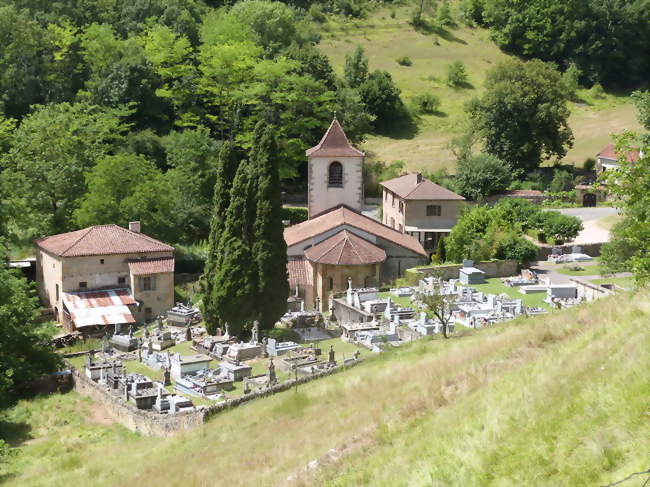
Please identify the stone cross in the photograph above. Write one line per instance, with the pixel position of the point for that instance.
(188, 334)
(166, 377)
(131, 331)
(255, 336)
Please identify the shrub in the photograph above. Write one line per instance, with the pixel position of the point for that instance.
(516, 247)
(589, 164)
(456, 74)
(597, 91)
(562, 181)
(426, 103)
(559, 226)
(404, 61)
(294, 214)
(316, 13)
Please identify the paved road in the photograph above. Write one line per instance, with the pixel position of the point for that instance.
(592, 232)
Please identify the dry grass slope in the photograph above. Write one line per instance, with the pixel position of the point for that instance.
(556, 400)
(385, 39)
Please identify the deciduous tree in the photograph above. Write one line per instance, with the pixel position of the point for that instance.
(523, 115)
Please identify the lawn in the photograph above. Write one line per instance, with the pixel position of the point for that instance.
(495, 286)
(403, 301)
(385, 39)
(587, 270)
(624, 282)
(558, 399)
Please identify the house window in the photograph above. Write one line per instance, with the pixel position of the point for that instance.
(335, 175)
(392, 222)
(147, 283)
(121, 280)
(83, 285)
(56, 291)
(330, 282)
(401, 207)
(434, 210)
(393, 200)
(101, 261)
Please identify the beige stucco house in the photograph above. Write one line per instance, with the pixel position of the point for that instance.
(608, 159)
(104, 275)
(338, 242)
(418, 207)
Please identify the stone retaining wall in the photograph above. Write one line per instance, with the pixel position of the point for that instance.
(591, 249)
(492, 268)
(150, 423)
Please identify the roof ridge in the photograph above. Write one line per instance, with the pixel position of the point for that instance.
(84, 235)
(356, 251)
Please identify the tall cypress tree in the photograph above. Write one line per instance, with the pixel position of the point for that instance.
(234, 286)
(269, 248)
(226, 169)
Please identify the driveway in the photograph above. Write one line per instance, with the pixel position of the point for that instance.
(593, 232)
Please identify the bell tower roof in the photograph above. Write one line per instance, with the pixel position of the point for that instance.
(334, 144)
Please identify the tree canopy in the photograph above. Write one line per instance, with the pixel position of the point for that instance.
(522, 116)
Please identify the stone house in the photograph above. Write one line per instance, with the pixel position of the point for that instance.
(104, 275)
(413, 205)
(338, 242)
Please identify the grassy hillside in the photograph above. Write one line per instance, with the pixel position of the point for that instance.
(556, 400)
(387, 38)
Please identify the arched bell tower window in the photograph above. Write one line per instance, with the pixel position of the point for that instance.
(335, 176)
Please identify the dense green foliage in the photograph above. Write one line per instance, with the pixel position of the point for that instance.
(630, 185)
(603, 38)
(522, 116)
(25, 352)
(482, 175)
(484, 232)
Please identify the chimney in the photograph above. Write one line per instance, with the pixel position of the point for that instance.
(418, 177)
(134, 226)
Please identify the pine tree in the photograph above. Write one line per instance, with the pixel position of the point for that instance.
(269, 248)
(234, 286)
(226, 169)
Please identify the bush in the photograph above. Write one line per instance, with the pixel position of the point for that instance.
(316, 13)
(518, 211)
(456, 74)
(404, 61)
(559, 226)
(190, 259)
(562, 181)
(589, 164)
(426, 103)
(294, 214)
(516, 247)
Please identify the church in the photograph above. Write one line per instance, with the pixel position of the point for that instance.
(338, 242)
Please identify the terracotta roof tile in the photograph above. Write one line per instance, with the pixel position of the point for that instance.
(334, 144)
(101, 240)
(345, 248)
(609, 152)
(151, 266)
(299, 273)
(414, 187)
(342, 215)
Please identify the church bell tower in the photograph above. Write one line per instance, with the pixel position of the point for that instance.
(335, 173)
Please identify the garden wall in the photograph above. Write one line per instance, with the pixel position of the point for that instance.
(593, 249)
(492, 268)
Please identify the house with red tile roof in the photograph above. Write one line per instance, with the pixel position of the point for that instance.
(608, 158)
(104, 275)
(421, 208)
(338, 242)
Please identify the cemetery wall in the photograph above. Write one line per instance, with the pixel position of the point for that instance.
(149, 423)
(590, 291)
(492, 268)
